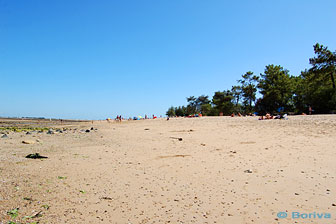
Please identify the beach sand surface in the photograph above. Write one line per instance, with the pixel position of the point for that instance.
(185, 170)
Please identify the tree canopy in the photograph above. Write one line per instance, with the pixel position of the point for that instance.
(279, 91)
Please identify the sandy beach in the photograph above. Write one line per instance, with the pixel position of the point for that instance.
(185, 170)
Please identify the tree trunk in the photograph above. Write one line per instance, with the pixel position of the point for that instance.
(332, 79)
(250, 105)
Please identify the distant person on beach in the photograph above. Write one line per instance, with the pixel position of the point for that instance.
(118, 118)
(310, 110)
(267, 117)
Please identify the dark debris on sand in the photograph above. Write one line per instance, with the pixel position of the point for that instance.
(36, 156)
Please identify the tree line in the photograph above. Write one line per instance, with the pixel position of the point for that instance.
(280, 92)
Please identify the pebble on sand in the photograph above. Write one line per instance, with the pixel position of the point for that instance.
(28, 142)
(248, 171)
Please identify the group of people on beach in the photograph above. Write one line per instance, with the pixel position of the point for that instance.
(118, 118)
(268, 116)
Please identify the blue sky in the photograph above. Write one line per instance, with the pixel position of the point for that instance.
(96, 59)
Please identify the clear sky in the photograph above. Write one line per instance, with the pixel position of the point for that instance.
(96, 59)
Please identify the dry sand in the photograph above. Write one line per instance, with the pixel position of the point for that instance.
(225, 170)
